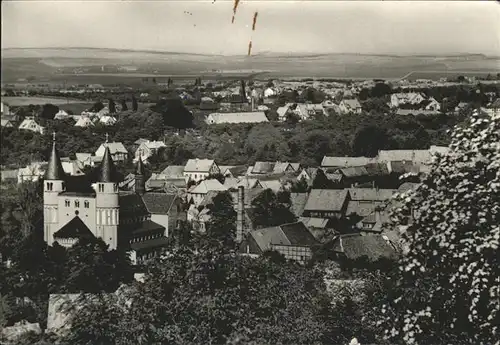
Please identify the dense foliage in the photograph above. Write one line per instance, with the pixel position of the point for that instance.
(448, 285)
(205, 297)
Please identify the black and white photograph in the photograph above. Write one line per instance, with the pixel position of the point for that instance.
(250, 172)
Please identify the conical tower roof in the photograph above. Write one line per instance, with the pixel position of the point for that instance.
(140, 167)
(55, 170)
(108, 169)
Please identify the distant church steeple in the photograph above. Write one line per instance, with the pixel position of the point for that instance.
(140, 181)
(55, 170)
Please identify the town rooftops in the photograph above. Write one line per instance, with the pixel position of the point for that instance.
(173, 171)
(371, 194)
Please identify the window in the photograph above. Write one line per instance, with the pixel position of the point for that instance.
(109, 218)
(115, 187)
(66, 203)
(101, 187)
(77, 203)
(63, 186)
(49, 186)
(86, 204)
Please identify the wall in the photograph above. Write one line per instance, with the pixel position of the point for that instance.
(86, 214)
(297, 253)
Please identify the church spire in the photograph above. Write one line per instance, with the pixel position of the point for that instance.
(55, 170)
(140, 181)
(108, 169)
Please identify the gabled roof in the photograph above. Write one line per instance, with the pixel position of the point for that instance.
(319, 223)
(416, 156)
(55, 169)
(198, 165)
(207, 185)
(75, 228)
(131, 204)
(296, 234)
(263, 167)
(158, 203)
(247, 117)
(147, 226)
(355, 246)
(326, 200)
(114, 147)
(371, 194)
(274, 185)
(342, 162)
(173, 171)
(351, 103)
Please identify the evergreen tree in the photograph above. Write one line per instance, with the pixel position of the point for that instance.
(111, 106)
(124, 105)
(134, 104)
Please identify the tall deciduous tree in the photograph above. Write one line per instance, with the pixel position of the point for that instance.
(272, 209)
(124, 105)
(135, 106)
(448, 286)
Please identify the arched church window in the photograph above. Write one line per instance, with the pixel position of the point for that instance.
(86, 204)
(77, 203)
(66, 203)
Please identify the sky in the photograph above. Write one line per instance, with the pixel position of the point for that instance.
(314, 26)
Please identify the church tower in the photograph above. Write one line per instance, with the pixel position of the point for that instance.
(107, 202)
(140, 180)
(53, 184)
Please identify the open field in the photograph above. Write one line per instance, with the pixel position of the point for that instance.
(23, 101)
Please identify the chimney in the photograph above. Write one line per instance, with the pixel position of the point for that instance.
(239, 214)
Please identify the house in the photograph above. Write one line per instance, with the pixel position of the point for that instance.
(294, 241)
(364, 201)
(413, 98)
(247, 183)
(118, 152)
(87, 159)
(372, 247)
(269, 92)
(199, 169)
(433, 105)
(414, 156)
(72, 167)
(30, 125)
(165, 209)
(326, 203)
(171, 179)
(7, 124)
(148, 149)
(107, 120)
(5, 109)
(62, 115)
(197, 193)
(345, 162)
(461, 106)
(350, 106)
(245, 117)
(31, 173)
(307, 111)
(84, 122)
(285, 111)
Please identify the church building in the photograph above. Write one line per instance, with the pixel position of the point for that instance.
(137, 220)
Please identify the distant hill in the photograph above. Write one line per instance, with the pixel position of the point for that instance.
(52, 62)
